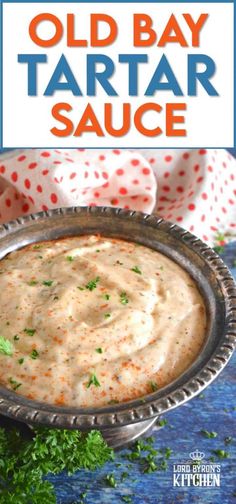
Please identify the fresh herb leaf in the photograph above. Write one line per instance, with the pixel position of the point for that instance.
(154, 386)
(93, 381)
(21, 360)
(219, 249)
(162, 422)
(106, 296)
(6, 346)
(110, 479)
(15, 385)
(123, 298)
(208, 434)
(92, 284)
(34, 354)
(136, 269)
(48, 283)
(124, 476)
(70, 258)
(30, 332)
(221, 454)
(99, 350)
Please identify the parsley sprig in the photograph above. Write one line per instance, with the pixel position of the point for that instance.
(153, 386)
(6, 346)
(24, 463)
(48, 283)
(93, 381)
(123, 298)
(29, 332)
(34, 354)
(92, 284)
(208, 434)
(14, 384)
(136, 269)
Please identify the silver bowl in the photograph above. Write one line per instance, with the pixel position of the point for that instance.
(122, 423)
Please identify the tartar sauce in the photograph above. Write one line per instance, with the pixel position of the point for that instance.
(90, 321)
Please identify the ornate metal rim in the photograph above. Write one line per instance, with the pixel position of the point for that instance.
(195, 379)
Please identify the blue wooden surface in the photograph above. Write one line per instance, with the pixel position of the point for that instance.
(213, 412)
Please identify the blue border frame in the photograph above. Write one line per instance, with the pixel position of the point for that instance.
(111, 1)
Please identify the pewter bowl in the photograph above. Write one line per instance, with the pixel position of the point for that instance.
(122, 423)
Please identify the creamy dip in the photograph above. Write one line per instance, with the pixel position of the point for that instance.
(90, 321)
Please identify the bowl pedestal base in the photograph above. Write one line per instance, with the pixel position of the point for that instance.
(117, 437)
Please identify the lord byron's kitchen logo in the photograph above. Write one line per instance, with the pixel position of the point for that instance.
(196, 472)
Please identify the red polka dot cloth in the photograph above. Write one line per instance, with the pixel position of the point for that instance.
(195, 188)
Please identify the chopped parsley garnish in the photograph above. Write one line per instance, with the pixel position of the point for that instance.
(55, 298)
(92, 284)
(127, 499)
(70, 258)
(98, 250)
(107, 315)
(106, 296)
(32, 282)
(162, 422)
(6, 346)
(29, 332)
(36, 247)
(123, 298)
(110, 479)
(99, 350)
(15, 385)
(48, 283)
(208, 434)
(80, 288)
(113, 401)
(136, 269)
(93, 381)
(16, 337)
(228, 440)
(34, 354)
(219, 246)
(21, 360)
(221, 454)
(120, 263)
(154, 386)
